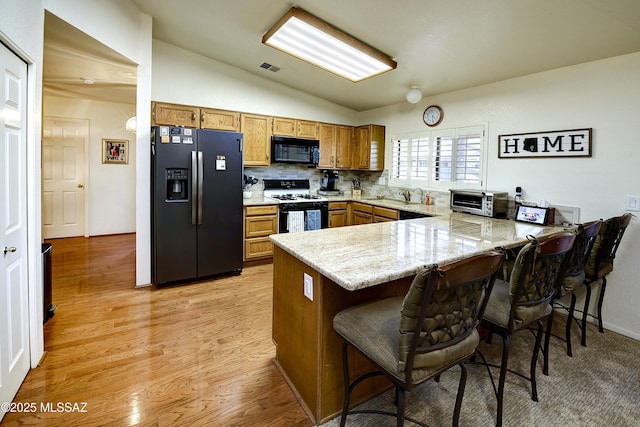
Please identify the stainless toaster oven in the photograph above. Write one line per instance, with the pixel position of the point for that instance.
(480, 202)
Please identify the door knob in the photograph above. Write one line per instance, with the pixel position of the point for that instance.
(9, 249)
(80, 185)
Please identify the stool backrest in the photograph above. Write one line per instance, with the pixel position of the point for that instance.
(585, 238)
(537, 269)
(444, 305)
(606, 245)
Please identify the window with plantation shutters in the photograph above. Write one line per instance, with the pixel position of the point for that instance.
(443, 158)
(399, 158)
(419, 158)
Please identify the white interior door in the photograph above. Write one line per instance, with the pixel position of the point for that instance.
(63, 177)
(14, 320)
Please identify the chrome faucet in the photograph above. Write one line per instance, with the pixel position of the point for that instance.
(406, 194)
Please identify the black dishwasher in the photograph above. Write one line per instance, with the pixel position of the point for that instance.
(412, 215)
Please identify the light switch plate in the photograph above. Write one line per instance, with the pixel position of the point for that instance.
(632, 203)
(308, 286)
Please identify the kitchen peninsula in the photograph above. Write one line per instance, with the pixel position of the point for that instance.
(348, 265)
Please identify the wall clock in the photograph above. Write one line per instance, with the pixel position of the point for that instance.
(432, 115)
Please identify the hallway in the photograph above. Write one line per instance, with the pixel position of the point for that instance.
(186, 355)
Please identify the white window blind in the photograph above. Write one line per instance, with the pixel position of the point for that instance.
(419, 158)
(440, 158)
(468, 158)
(399, 159)
(443, 166)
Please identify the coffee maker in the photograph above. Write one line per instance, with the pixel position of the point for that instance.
(328, 183)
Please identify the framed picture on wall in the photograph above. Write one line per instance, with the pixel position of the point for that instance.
(115, 151)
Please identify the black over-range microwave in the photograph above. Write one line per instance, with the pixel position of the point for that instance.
(294, 150)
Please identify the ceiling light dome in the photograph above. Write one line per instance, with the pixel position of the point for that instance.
(414, 95)
(132, 124)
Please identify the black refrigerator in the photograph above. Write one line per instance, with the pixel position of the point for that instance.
(196, 192)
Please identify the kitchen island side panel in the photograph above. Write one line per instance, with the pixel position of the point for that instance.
(308, 350)
(295, 327)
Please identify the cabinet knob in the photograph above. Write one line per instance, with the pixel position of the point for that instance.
(9, 249)
(193, 116)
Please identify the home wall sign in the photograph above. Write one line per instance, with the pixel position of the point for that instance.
(557, 143)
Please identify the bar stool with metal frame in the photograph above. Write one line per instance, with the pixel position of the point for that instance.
(525, 301)
(600, 264)
(571, 279)
(415, 338)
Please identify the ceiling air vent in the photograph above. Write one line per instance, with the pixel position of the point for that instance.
(269, 67)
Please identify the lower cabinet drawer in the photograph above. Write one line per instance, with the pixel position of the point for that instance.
(260, 226)
(259, 247)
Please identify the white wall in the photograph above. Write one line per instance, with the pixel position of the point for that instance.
(603, 95)
(111, 188)
(183, 77)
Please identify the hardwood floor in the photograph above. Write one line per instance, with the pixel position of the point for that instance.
(199, 354)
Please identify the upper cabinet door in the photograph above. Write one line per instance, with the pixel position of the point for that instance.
(220, 120)
(257, 139)
(327, 146)
(283, 126)
(307, 129)
(297, 128)
(344, 145)
(175, 115)
(369, 148)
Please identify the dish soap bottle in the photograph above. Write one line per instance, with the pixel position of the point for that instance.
(427, 199)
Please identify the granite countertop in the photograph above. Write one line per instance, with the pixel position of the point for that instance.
(257, 199)
(361, 256)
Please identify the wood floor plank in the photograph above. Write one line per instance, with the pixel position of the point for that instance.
(198, 354)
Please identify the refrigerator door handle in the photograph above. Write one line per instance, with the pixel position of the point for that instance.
(200, 186)
(194, 188)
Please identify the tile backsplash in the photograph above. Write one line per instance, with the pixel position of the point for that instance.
(368, 179)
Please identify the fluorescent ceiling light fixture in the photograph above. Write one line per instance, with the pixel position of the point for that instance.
(306, 37)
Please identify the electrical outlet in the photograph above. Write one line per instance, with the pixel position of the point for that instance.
(308, 286)
(632, 203)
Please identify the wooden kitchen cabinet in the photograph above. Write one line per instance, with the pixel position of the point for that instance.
(361, 213)
(257, 139)
(337, 214)
(336, 142)
(341, 146)
(220, 119)
(369, 148)
(327, 136)
(293, 127)
(163, 114)
(259, 223)
(344, 143)
(381, 214)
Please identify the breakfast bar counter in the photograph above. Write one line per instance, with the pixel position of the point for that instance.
(348, 265)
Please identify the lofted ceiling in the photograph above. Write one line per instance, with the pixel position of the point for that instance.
(71, 57)
(440, 46)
